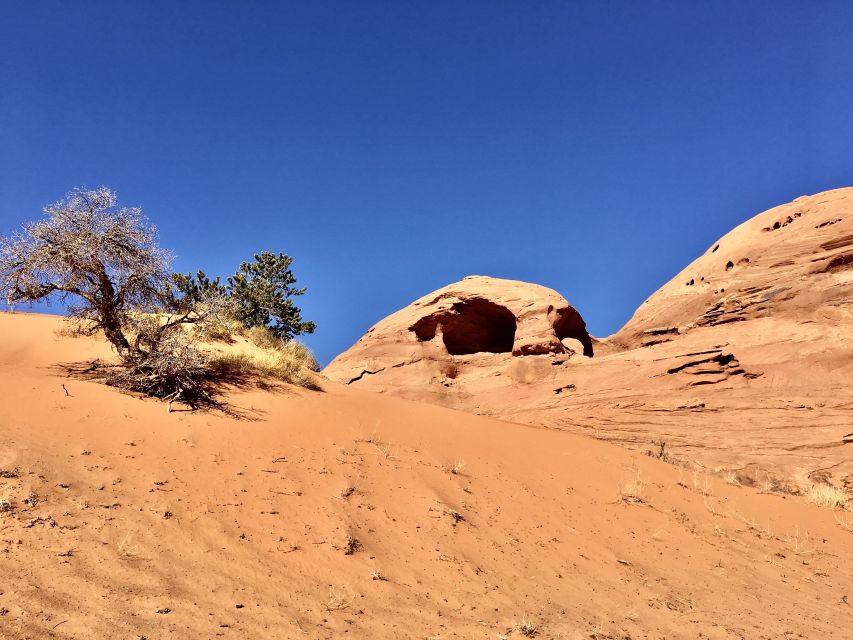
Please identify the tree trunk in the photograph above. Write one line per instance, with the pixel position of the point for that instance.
(113, 332)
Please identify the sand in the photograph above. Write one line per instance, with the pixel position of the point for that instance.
(346, 513)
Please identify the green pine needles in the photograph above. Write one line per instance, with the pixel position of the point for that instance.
(260, 291)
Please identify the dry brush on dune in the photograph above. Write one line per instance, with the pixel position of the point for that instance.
(104, 263)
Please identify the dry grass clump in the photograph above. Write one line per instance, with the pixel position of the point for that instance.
(455, 467)
(220, 328)
(289, 361)
(262, 338)
(633, 491)
(127, 548)
(527, 628)
(825, 495)
(338, 600)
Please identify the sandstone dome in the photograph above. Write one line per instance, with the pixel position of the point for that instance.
(479, 320)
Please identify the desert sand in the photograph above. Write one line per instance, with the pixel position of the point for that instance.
(345, 513)
(741, 365)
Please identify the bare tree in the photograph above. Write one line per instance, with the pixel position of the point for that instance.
(103, 260)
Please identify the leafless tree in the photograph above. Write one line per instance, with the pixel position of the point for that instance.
(101, 259)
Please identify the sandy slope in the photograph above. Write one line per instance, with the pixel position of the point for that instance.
(196, 525)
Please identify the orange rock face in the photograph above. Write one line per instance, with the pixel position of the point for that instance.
(479, 319)
(742, 363)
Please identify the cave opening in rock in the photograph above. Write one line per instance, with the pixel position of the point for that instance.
(569, 324)
(470, 326)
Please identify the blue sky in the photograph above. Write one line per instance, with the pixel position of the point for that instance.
(394, 147)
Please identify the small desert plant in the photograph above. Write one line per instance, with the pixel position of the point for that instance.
(376, 575)
(337, 601)
(456, 467)
(32, 499)
(659, 451)
(732, 478)
(633, 491)
(702, 483)
(351, 545)
(5, 505)
(825, 495)
(383, 448)
(527, 628)
(127, 549)
(799, 544)
(845, 523)
(348, 490)
(456, 516)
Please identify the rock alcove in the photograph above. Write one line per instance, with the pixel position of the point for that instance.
(470, 326)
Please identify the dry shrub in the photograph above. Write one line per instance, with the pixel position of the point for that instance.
(289, 361)
(219, 329)
(174, 370)
(633, 490)
(175, 360)
(825, 495)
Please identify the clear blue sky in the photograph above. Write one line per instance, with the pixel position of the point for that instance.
(394, 147)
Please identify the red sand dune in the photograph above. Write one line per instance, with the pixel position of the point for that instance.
(125, 521)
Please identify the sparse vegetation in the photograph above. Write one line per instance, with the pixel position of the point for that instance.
(351, 545)
(845, 522)
(127, 549)
(383, 448)
(702, 483)
(456, 467)
(826, 495)
(732, 478)
(105, 264)
(456, 517)
(633, 491)
(659, 451)
(5, 505)
(348, 490)
(337, 600)
(527, 628)
(268, 356)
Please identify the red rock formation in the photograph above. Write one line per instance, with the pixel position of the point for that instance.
(742, 363)
(478, 320)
